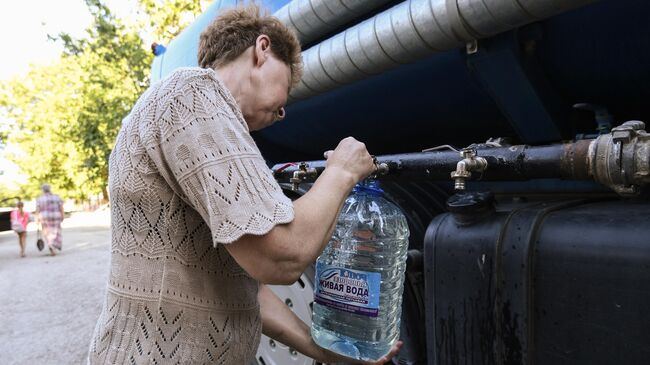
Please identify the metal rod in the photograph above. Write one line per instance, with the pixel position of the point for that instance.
(513, 163)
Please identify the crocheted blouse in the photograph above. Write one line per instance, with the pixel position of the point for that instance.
(185, 178)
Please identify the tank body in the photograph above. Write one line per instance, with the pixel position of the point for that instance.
(596, 54)
(563, 282)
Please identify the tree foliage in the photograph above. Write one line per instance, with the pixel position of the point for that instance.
(166, 19)
(64, 117)
(115, 67)
(41, 106)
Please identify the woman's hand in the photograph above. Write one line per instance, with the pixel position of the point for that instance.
(351, 157)
(332, 357)
(389, 356)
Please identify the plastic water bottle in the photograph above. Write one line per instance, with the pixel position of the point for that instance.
(360, 277)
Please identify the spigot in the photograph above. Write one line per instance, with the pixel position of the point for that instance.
(464, 168)
(302, 174)
(381, 169)
(460, 175)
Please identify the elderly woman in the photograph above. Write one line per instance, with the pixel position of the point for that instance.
(50, 215)
(199, 224)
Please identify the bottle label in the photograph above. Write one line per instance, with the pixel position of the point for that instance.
(347, 290)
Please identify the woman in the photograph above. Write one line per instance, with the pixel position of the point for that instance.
(199, 225)
(19, 219)
(49, 215)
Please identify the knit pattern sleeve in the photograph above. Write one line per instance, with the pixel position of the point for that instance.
(202, 147)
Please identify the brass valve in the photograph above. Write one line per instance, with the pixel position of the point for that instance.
(303, 172)
(464, 168)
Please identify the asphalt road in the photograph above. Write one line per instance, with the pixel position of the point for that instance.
(49, 305)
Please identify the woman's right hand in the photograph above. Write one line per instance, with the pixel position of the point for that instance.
(352, 157)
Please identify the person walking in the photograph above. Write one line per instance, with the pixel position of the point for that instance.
(19, 220)
(49, 215)
(199, 224)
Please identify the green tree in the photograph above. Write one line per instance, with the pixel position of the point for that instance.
(39, 107)
(115, 65)
(167, 18)
(65, 117)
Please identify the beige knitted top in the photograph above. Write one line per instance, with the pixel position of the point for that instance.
(185, 178)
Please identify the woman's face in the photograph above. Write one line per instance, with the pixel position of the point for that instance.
(269, 92)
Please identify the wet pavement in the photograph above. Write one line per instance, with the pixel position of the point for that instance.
(49, 305)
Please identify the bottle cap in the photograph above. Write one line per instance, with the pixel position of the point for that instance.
(369, 187)
(470, 207)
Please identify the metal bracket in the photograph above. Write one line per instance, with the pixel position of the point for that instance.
(517, 85)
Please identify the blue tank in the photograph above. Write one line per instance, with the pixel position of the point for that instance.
(182, 51)
(597, 54)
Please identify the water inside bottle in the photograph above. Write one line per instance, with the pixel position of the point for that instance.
(360, 276)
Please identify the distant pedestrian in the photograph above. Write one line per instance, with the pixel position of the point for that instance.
(49, 213)
(19, 219)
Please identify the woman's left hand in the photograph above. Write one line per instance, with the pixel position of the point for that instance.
(333, 357)
(388, 357)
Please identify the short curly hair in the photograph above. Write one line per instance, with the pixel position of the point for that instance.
(235, 30)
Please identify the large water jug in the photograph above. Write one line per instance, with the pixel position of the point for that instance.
(360, 276)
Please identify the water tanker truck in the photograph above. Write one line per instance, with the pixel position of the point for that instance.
(511, 134)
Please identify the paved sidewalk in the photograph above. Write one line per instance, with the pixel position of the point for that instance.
(49, 305)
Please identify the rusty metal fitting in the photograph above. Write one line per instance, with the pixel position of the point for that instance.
(621, 159)
(381, 168)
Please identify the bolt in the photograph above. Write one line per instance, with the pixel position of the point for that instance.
(289, 303)
(471, 47)
(459, 184)
(272, 344)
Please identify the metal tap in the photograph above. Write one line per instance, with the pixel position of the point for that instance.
(464, 168)
(381, 168)
(303, 172)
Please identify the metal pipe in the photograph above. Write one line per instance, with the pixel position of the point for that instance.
(312, 19)
(514, 163)
(411, 31)
(619, 160)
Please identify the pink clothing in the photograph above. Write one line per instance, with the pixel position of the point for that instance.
(22, 219)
